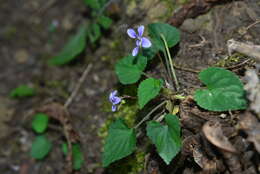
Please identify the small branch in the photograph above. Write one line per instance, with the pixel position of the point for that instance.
(78, 85)
(251, 25)
(149, 114)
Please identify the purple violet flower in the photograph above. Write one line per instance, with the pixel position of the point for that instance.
(140, 40)
(114, 100)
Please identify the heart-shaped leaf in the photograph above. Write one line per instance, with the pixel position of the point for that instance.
(224, 90)
(165, 137)
(40, 122)
(129, 69)
(121, 142)
(41, 147)
(147, 90)
(171, 34)
(75, 46)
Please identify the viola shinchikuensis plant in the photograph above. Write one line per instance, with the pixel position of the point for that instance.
(224, 92)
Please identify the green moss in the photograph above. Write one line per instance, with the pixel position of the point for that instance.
(134, 163)
(230, 60)
(125, 111)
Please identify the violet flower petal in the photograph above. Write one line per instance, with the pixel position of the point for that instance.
(140, 30)
(135, 51)
(113, 108)
(116, 100)
(146, 42)
(112, 95)
(138, 43)
(131, 33)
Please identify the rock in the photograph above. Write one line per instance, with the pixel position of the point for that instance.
(21, 56)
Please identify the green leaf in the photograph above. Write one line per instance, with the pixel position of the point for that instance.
(166, 137)
(77, 155)
(105, 21)
(94, 4)
(23, 91)
(73, 48)
(41, 147)
(94, 32)
(224, 90)
(40, 122)
(147, 90)
(172, 35)
(128, 71)
(121, 142)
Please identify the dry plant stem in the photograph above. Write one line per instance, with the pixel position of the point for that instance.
(168, 68)
(77, 88)
(247, 49)
(171, 64)
(185, 69)
(166, 72)
(251, 25)
(149, 114)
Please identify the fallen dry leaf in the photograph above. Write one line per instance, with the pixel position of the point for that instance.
(213, 132)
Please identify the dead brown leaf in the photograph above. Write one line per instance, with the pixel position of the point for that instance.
(213, 132)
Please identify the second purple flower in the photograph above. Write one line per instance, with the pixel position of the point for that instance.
(140, 40)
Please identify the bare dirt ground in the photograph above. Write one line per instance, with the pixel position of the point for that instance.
(26, 44)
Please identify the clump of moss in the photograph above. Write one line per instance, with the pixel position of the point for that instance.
(125, 111)
(230, 60)
(134, 163)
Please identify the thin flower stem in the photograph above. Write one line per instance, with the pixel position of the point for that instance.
(146, 75)
(149, 114)
(171, 64)
(165, 68)
(168, 68)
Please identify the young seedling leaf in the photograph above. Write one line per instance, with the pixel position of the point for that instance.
(73, 48)
(171, 34)
(94, 32)
(41, 147)
(129, 71)
(165, 137)
(224, 91)
(121, 142)
(147, 90)
(40, 122)
(77, 155)
(94, 4)
(23, 91)
(105, 21)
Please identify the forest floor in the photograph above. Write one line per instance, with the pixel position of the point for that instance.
(26, 44)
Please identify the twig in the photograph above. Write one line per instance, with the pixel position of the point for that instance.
(79, 84)
(185, 69)
(149, 114)
(251, 25)
(202, 43)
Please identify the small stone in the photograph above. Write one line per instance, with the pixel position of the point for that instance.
(21, 56)
(223, 116)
